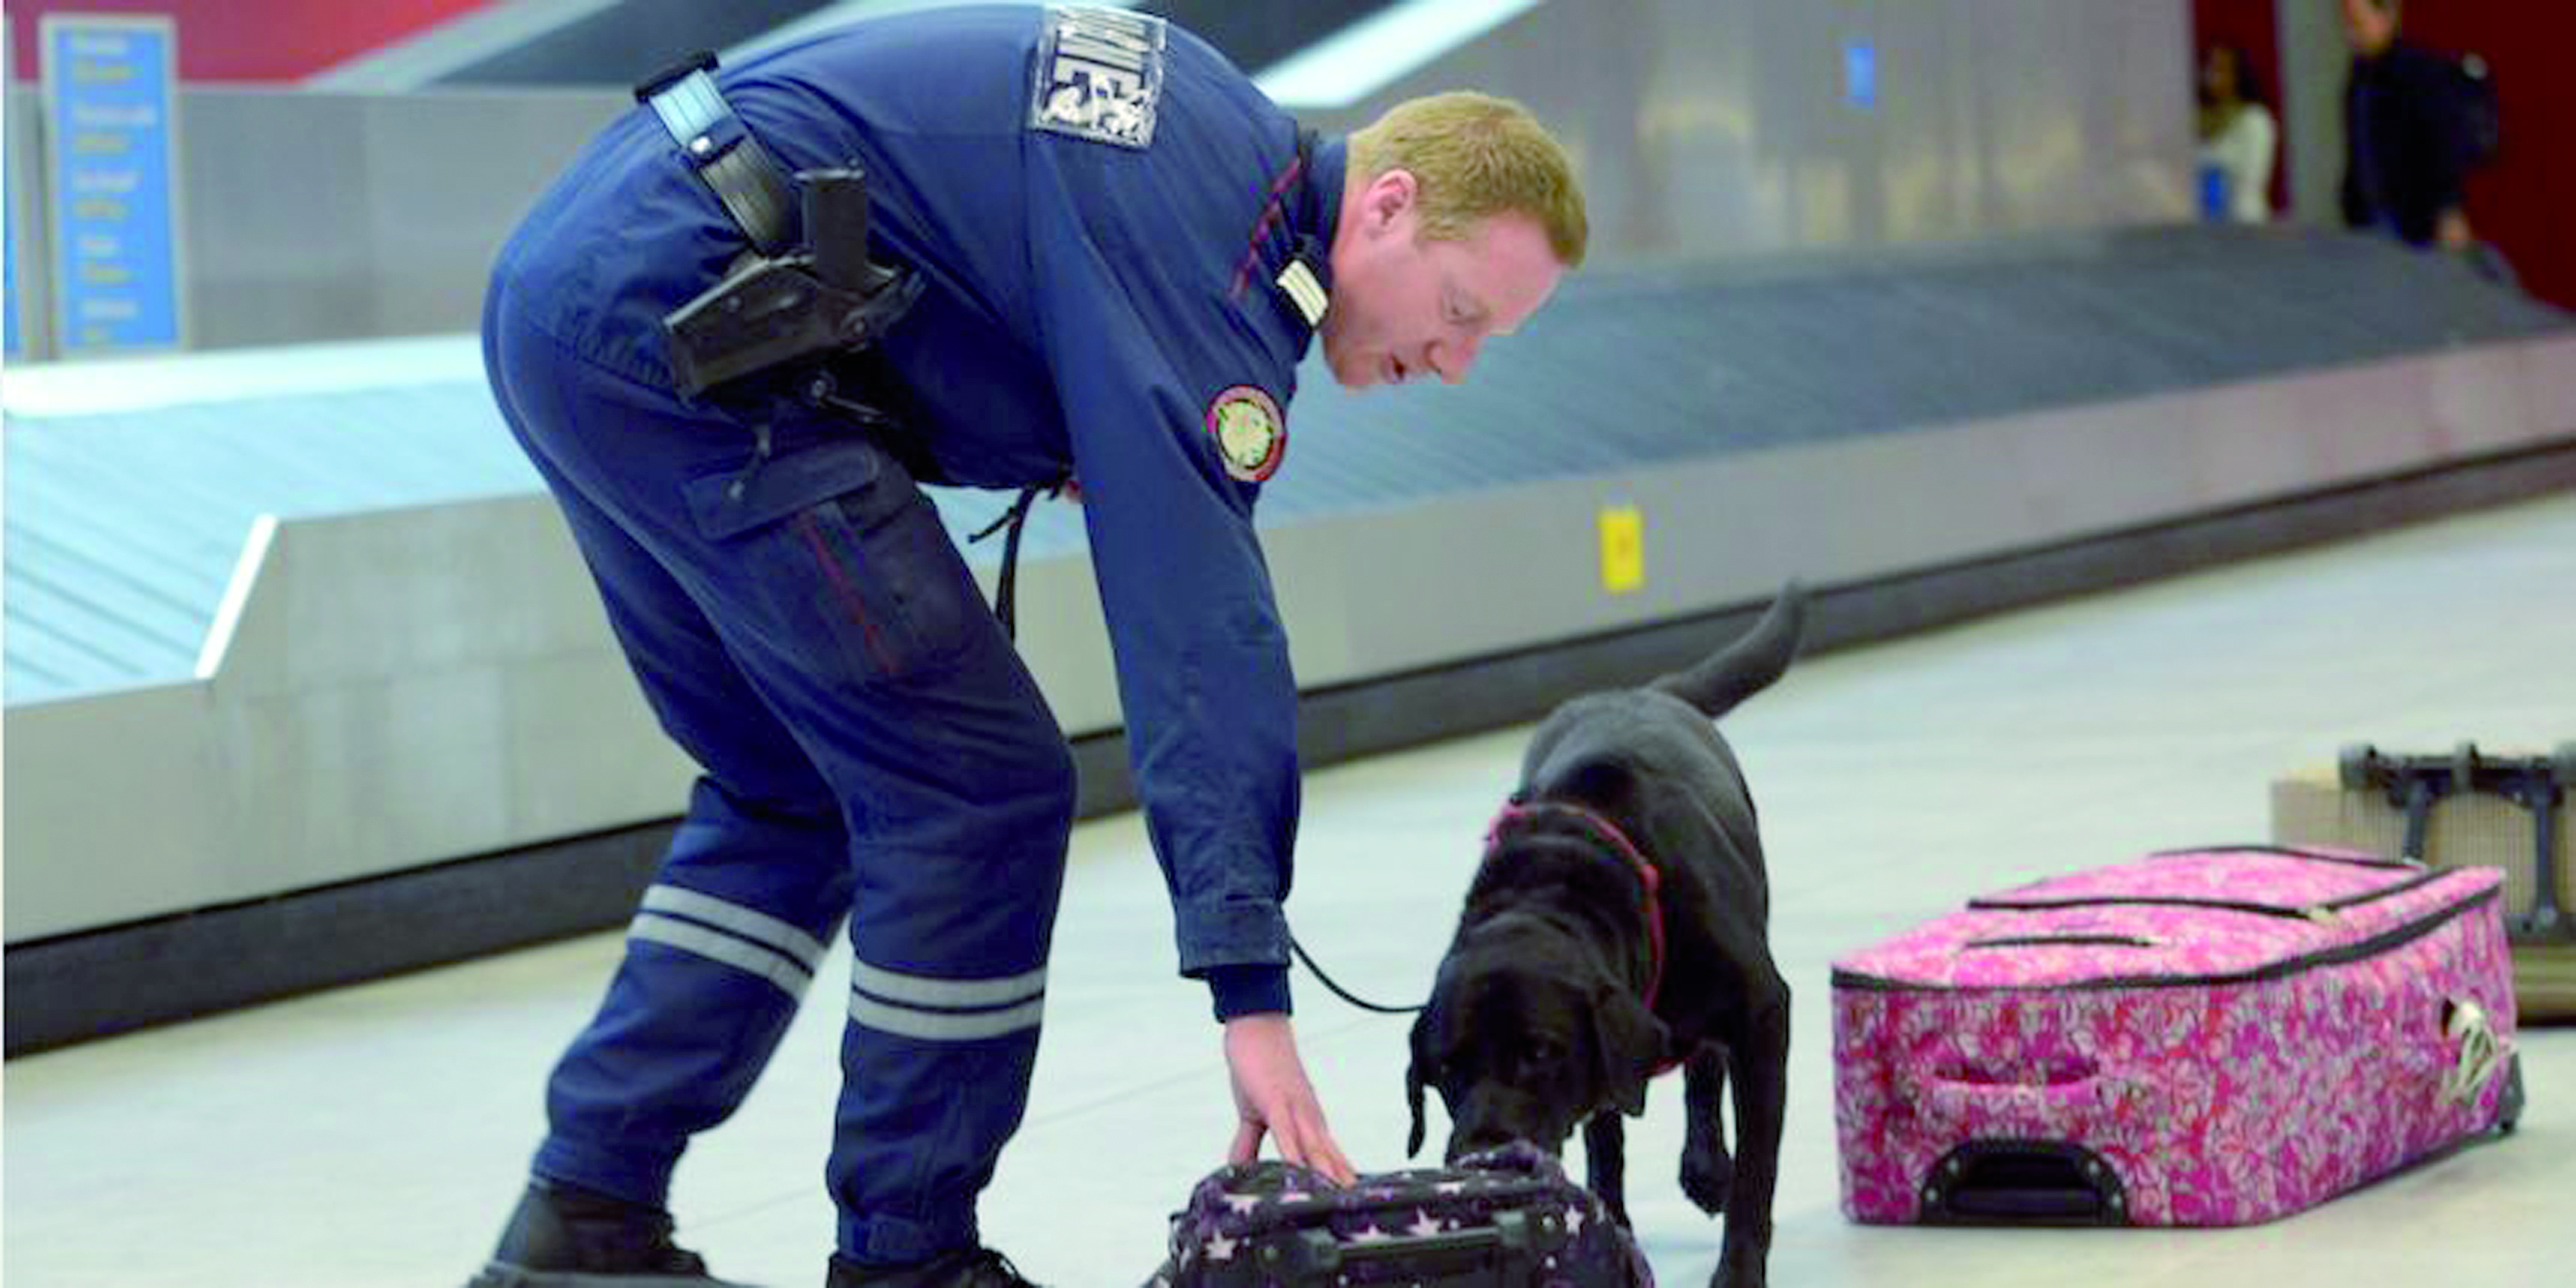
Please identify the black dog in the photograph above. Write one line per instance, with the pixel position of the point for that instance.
(1617, 927)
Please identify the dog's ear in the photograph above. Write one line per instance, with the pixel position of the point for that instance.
(1629, 1042)
(1423, 1067)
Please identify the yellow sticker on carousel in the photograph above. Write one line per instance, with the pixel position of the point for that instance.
(1623, 549)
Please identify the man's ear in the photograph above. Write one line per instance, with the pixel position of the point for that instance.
(1629, 1043)
(1387, 198)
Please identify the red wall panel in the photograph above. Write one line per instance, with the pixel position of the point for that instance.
(2526, 202)
(252, 40)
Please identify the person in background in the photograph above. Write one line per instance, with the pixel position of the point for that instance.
(2404, 167)
(2237, 139)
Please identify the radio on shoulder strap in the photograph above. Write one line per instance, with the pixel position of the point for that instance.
(778, 305)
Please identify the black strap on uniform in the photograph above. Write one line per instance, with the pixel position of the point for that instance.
(727, 157)
(1010, 525)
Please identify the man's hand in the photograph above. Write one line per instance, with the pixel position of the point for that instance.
(1272, 1097)
(2451, 230)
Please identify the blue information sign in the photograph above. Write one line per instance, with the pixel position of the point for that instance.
(9, 153)
(112, 182)
(9, 250)
(1860, 73)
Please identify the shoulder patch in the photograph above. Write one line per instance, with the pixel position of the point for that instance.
(1098, 75)
(1250, 436)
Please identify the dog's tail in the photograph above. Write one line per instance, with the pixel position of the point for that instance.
(1750, 664)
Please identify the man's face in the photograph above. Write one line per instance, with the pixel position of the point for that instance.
(2368, 26)
(1406, 307)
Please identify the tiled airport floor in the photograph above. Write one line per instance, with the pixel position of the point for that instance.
(376, 1136)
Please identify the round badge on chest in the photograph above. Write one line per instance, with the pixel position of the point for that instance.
(1250, 434)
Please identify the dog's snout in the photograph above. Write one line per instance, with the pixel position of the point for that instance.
(1492, 1113)
(1478, 1139)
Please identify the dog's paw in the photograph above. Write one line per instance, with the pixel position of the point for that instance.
(1739, 1272)
(1708, 1178)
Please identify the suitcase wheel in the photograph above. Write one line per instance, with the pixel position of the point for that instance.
(2509, 1105)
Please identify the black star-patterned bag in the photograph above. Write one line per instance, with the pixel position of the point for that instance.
(1506, 1218)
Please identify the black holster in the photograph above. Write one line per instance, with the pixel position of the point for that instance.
(777, 306)
(773, 311)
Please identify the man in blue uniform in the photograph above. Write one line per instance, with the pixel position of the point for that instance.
(1121, 250)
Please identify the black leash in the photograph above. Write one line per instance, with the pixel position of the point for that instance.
(1010, 524)
(1015, 519)
(822, 390)
(1343, 993)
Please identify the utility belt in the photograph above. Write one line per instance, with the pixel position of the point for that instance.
(806, 290)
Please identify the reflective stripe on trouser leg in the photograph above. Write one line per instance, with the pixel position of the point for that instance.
(945, 1010)
(707, 988)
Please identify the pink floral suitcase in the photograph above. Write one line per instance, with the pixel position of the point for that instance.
(2206, 1037)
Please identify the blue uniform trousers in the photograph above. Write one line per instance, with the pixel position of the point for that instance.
(873, 750)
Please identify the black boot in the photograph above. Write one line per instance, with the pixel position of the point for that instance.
(969, 1268)
(565, 1237)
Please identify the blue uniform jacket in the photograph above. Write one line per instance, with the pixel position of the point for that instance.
(1099, 204)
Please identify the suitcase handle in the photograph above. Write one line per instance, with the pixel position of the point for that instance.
(2023, 1182)
(1491, 1255)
